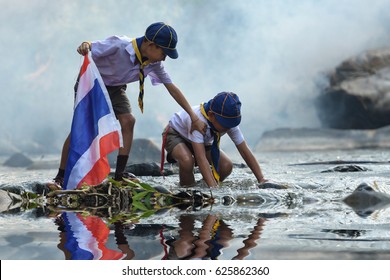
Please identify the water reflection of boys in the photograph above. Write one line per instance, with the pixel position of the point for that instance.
(207, 244)
(250, 242)
(214, 235)
(84, 238)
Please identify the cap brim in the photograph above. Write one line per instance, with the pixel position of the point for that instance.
(172, 53)
(228, 122)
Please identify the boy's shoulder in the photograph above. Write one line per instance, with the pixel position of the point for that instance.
(117, 39)
(122, 38)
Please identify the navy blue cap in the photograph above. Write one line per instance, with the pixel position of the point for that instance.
(227, 109)
(164, 36)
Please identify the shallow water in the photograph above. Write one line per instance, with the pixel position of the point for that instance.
(307, 220)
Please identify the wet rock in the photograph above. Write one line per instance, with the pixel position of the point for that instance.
(144, 230)
(346, 168)
(350, 233)
(227, 200)
(40, 188)
(273, 215)
(365, 200)
(269, 185)
(250, 200)
(18, 160)
(358, 96)
(153, 168)
(18, 190)
(147, 169)
(8, 200)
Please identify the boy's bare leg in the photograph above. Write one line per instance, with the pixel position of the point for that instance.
(186, 162)
(184, 245)
(127, 122)
(64, 153)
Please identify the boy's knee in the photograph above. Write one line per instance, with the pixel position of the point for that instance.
(186, 162)
(127, 122)
(131, 120)
(225, 168)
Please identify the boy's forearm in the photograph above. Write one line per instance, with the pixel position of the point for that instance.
(207, 174)
(204, 165)
(181, 100)
(257, 171)
(251, 161)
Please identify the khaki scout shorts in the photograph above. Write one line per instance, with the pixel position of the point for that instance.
(174, 138)
(120, 101)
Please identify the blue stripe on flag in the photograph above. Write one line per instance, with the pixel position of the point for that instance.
(85, 125)
(71, 243)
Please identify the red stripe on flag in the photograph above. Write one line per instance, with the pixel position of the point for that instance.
(108, 143)
(100, 231)
(85, 65)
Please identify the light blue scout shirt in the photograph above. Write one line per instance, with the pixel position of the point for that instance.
(115, 58)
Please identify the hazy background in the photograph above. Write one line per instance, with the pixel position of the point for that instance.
(273, 54)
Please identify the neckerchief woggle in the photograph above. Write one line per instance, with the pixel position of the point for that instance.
(142, 64)
(215, 153)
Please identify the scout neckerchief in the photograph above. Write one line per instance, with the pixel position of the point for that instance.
(142, 64)
(214, 147)
(215, 243)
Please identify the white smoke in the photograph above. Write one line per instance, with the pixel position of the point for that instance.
(273, 54)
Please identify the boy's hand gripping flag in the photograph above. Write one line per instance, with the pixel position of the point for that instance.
(95, 131)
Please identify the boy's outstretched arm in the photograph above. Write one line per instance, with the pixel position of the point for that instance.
(197, 124)
(203, 164)
(251, 161)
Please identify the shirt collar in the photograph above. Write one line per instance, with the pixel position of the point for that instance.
(131, 50)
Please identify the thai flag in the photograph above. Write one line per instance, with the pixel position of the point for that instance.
(95, 131)
(86, 238)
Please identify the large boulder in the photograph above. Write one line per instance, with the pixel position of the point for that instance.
(365, 200)
(18, 160)
(143, 150)
(358, 96)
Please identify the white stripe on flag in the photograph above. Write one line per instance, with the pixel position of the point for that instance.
(85, 163)
(85, 238)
